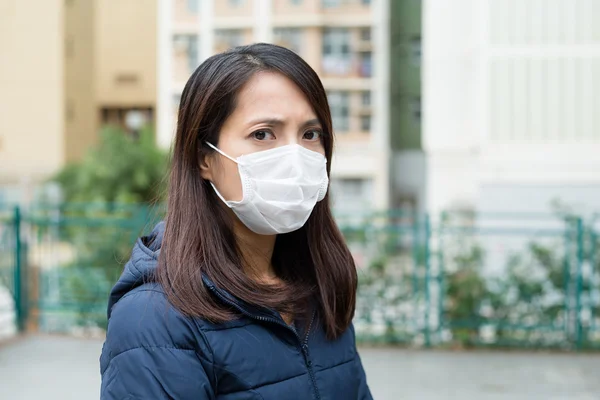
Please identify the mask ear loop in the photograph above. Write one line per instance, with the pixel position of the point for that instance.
(215, 148)
(227, 203)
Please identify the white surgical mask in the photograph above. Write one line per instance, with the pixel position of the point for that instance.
(281, 186)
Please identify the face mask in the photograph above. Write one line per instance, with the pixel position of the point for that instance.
(281, 186)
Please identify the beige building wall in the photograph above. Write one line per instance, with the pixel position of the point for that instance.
(290, 8)
(183, 16)
(81, 119)
(31, 89)
(61, 63)
(125, 52)
(311, 51)
(314, 7)
(226, 8)
(314, 13)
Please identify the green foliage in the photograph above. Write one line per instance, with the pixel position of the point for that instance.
(466, 292)
(380, 301)
(532, 294)
(121, 169)
(546, 295)
(546, 284)
(384, 287)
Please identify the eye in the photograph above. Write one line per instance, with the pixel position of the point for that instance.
(262, 135)
(312, 135)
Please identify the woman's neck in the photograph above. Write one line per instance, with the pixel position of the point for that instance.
(257, 252)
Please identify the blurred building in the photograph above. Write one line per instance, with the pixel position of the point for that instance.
(346, 41)
(67, 67)
(512, 104)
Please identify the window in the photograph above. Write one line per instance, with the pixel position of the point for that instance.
(188, 44)
(176, 103)
(415, 50)
(228, 38)
(365, 99)
(352, 187)
(365, 34)
(236, 3)
(365, 123)
(193, 6)
(331, 3)
(70, 46)
(366, 64)
(288, 37)
(351, 193)
(118, 116)
(415, 107)
(366, 2)
(176, 100)
(339, 103)
(126, 78)
(70, 110)
(337, 58)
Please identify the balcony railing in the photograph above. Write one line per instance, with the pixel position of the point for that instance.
(353, 66)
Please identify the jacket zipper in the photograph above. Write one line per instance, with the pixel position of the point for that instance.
(307, 358)
(303, 343)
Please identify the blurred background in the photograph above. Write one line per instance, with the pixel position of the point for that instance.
(465, 178)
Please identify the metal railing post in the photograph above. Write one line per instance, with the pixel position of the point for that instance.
(427, 279)
(18, 272)
(579, 285)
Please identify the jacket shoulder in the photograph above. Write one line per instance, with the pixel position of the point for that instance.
(144, 318)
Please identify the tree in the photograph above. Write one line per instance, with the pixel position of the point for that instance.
(121, 169)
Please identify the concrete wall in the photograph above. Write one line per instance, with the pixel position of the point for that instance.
(408, 176)
(510, 92)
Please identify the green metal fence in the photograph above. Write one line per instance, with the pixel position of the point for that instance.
(506, 283)
(66, 259)
(461, 279)
(10, 272)
(590, 304)
(455, 279)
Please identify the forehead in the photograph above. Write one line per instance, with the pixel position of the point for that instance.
(275, 93)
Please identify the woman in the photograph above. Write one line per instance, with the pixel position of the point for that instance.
(247, 290)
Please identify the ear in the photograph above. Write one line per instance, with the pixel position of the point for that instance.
(206, 166)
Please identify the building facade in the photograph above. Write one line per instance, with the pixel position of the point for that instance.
(68, 67)
(511, 110)
(345, 41)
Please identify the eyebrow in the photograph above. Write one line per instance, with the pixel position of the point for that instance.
(311, 122)
(278, 121)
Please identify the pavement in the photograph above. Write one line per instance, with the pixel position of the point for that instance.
(62, 368)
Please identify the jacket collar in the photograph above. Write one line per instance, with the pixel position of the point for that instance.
(250, 310)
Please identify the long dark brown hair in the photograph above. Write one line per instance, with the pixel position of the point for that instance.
(313, 262)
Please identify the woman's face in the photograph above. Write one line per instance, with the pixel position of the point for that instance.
(270, 111)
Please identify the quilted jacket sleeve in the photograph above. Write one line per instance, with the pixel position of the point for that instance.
(364, 393)
(363, 389)
(152, 352)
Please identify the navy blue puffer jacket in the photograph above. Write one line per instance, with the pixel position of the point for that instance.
(154, 352)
